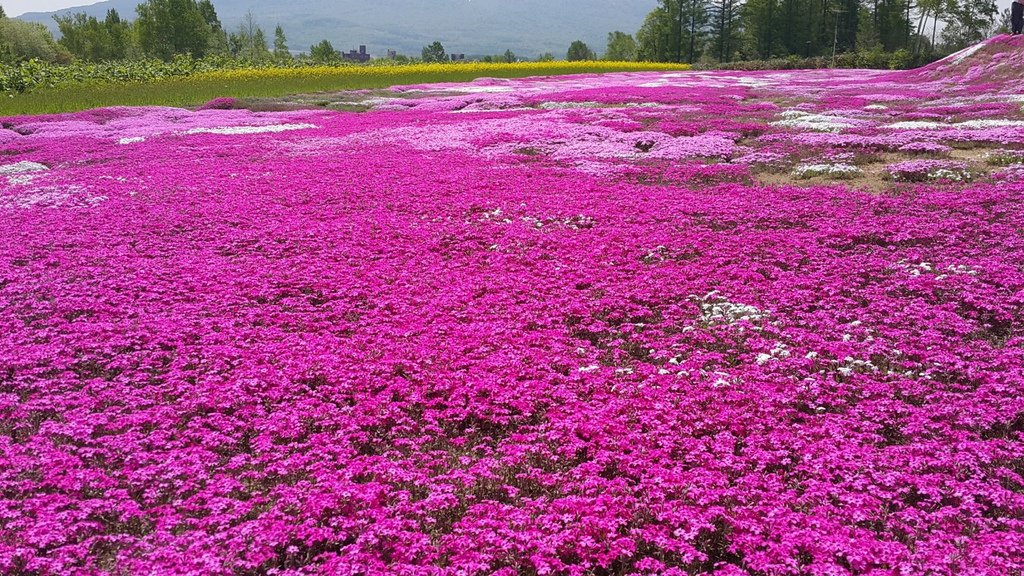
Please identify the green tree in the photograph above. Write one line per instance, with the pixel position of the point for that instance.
(83, 36)
(170, 27)
(90, 39)
(889, 24)
(434, 53)
(674, 31)
(653, 36)
(249, 42)
(546, 57)
(281, 45)
(21, 40)
(509, 57)
(120, 33)
(695, 17)
(578, 51)
(621, 47)
(970, 22)
(218, 41)
(762, 21)
(2, 13)
(724, 23)
(324, 53)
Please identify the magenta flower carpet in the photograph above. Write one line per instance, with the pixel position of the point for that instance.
(648, 324)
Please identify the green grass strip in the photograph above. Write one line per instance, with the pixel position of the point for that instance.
(277, 82)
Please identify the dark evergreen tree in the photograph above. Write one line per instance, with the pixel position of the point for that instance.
(724, 24)
(281, 45)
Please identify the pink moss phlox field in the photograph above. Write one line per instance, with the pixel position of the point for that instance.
(579, 325)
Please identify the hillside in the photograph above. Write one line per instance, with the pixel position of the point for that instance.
(996, 60)
(528, 27)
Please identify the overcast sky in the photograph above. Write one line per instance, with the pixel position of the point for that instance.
(16, 7)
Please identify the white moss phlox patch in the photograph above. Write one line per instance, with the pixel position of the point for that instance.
(816, 122)
(238, 130)
(838, 170)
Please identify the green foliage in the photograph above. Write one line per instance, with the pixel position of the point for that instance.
(509, 57)
(35, 74)
(546, 57)
(873, 59)
(21, 41)
(652, 38)
(901, 59)
(89, 39)
(323, 52)
(674, 31)
(281, 45)
(621, 47)
(578, 50)
(167, 28)
(218, 40)
(249, 42)
(728, 30)
(969, 22)
(434, 53)
(726, 34)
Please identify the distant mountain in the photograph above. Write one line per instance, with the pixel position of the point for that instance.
(473, 27)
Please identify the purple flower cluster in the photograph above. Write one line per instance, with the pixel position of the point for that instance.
(482, 334)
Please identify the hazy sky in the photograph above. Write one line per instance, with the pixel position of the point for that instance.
(16, 7)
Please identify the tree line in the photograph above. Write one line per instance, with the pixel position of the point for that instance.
(897, 33)
(727, 30)
(690, 31)
(162, 29)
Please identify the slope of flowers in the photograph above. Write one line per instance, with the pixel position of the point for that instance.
(580, 325)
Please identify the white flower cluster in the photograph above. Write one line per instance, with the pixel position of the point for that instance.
(579, 222)
(716, 310)
(567, 105)
(966, 125)
(1004, 157)
(495, 215)
(940, 273)
(929, 170)
(22, 167)
(949, 175)
(21, 172)
(780, 351)
(816, 122)
(849, 365)
(839, 171)
(237, 130)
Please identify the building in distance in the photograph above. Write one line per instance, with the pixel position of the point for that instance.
(360, 56)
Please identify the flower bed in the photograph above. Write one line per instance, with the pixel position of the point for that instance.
(530, 339)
